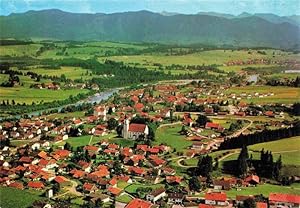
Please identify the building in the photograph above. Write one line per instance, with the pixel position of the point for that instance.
(134, 130)
(100, 111)
(216, 198)
(175, 198)
(156, 195)
(138, 203)
(284, 200)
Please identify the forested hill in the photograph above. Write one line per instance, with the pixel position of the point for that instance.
(145, 26)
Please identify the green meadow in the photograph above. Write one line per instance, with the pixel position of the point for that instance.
(169, 135)
(11, 197)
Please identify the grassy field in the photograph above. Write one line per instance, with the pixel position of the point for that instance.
(264, 189)
(206, 57)
(28, 95)
(285, 95)
(11, 197)
(132, 188)
(289, 149)
(76, 114)
(70, 72)
(19, 50)
(170, 136)
(84, 140)
(289, 144)
(125, 198)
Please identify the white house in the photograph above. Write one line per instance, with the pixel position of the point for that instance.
(155, 195)
(100, 111)
(134, 130)
(216, 198)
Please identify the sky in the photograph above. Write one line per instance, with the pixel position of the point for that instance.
(279, 7)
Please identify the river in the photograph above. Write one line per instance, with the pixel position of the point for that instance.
(96, 98)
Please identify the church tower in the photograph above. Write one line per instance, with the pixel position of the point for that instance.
(125, 129)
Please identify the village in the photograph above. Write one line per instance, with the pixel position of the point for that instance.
(134, 149)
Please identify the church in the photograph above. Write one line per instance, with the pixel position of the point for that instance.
(134, 130)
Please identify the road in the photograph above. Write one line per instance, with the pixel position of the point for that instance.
(70, 190)
(235, 134)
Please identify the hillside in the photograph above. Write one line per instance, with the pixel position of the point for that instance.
(145, 26)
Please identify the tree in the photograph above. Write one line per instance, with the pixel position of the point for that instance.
(242, 162)
(109, 111)
(277, 168)
(249, 203)
(204, 166)
(67, 146)
(194, 184)
(119, 130)
(202, 120)
(56, 188)
(112, 124)
(296, 109)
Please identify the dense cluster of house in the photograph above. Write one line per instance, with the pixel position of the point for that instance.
(38, 166)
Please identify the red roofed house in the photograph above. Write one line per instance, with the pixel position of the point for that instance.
(35, 184)
(134, 131)
(205, 206)
(261, 205)
(216, 198)
(252, 179)
(284, 200)
(61, 154)
(100, 111)
(138, 203)
(61, 180)
(17, 185)
(210, 125)
(114, 191)
(89, 188)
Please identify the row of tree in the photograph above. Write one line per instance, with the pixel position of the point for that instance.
(260, 137)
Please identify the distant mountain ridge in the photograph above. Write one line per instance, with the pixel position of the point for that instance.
(293, 19)
(144, 26)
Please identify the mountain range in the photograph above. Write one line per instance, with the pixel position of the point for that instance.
(251, 30)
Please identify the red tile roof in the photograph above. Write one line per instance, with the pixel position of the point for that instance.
(212, 125)
(138, 203)
(278, 197)
(16, 185)
(77, 173)
(139, 106)
(43, 155)
(205, 206)
(137, 127)
(261, 205)
(91, 148)
(173, 179)
(254, 178)
(60, 179)
(35, 184)
(216, 196)
(114, 191)
(25, 159)
(88, 186)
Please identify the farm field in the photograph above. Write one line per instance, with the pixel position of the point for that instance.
(28, 95)
(19, 50)
(286, 95)
(25, 198)
(170, 136)
(264, 189)
(76, 114)
(206, 57)
(70, 72)
(288, 149)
